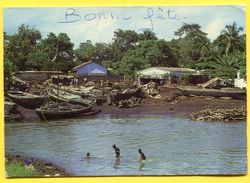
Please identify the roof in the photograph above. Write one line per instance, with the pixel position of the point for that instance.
(211, 81)
(84, 64)
(51, 72)
(81, 65)
(161, 72)
(177, 69)
(153, 72)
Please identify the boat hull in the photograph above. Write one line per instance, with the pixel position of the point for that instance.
(27, 100)
(236, 94)
(48, 114)
(77, 99)
(9, 107)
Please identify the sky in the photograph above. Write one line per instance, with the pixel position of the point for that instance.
(99, 23)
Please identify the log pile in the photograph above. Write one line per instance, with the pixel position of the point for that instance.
(151, 90)
(220, 115)
(173, 99)
(128, 103)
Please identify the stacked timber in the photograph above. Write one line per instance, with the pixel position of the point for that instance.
(173, 99)
(151, 90)
(220, 115)
(128, 103)
(125, 99)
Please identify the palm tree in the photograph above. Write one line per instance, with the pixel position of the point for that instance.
(231, 38)
(202, 45)
(148, 35)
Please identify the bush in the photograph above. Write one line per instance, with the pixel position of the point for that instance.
(18, 170)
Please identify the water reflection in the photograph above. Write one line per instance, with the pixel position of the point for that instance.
(117, 163)
(142, 164)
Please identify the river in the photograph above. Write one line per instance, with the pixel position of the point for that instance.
(173, 146)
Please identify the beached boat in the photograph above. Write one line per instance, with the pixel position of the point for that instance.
(125, 94)
(63, 110)
(85, 92)
(27, 100)
(226, 92)
(63, 96)
(9, 107)
(72, 106)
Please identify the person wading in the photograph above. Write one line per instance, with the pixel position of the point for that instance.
(117, 151)
(142, 155)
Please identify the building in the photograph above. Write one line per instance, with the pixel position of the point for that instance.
(90, 69)
(35, 75)
(161, 74)
(240, 82)
(216, 83)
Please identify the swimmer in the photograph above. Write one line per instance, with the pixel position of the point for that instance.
(87, 155)
(117, 151)
(142, 155)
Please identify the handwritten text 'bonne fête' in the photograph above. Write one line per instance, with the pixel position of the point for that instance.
(151, 14)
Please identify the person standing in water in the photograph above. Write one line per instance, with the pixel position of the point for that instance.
(142, 155)
(87, 155)
(117, 151)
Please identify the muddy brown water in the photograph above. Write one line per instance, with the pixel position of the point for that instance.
(173, 146)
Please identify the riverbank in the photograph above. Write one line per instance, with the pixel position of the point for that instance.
(35, 167)
(182, 107)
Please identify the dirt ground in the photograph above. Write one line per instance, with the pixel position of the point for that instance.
(182, 107)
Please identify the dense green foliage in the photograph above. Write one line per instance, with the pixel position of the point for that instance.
(129, 51)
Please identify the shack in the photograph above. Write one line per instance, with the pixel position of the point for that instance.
(36, 75)
(90, 68)
(217, 83)
(160, 75)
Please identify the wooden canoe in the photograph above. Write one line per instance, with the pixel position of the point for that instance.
(63, 96)
(233, 93)
(27, 100)
(49, 112)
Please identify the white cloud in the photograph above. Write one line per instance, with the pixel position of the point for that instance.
(215, 27)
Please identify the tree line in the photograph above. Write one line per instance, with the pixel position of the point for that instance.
(129, 51)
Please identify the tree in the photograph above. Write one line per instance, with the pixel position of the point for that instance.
(225, 66)
(148, 35)
(230, 39)
(125, 39)
(85, 52)
(193, 44)
(42, 55)
(189, 31)
(146, 54)
(9, 68)
(132, 62)
(98, 52)
(19, 46)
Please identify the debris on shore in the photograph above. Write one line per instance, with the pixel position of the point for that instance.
(151, 90)
(128, 103)
(109, 95)
(11, 112)
(220, 114)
